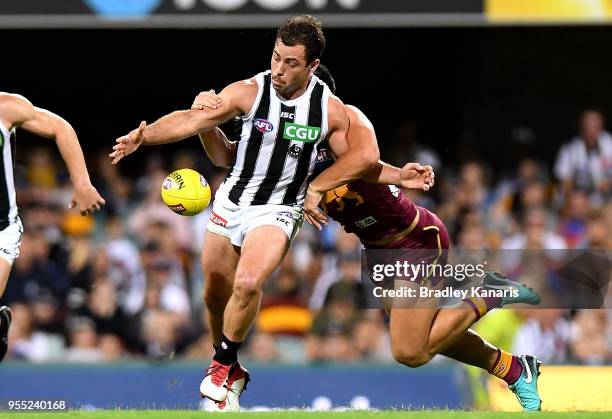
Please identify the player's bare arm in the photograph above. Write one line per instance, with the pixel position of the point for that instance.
(237, 98)
(17, 111)
(219, 149)
(355, 149)
(411, 176)
(354, 159)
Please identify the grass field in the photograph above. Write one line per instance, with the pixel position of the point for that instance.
(182, 414)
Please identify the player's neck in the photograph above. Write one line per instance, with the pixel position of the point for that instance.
(296, 93)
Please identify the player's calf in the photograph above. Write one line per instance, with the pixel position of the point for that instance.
(6, 315)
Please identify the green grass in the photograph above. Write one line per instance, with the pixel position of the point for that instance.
(183, 414)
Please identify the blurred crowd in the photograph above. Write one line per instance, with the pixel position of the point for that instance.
(127, 282)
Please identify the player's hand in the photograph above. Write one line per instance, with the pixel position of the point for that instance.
(312, 213)
(207, 100)
(86, 199)
(128, 143)
(415, 176)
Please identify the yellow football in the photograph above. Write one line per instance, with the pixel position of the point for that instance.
(185, 192)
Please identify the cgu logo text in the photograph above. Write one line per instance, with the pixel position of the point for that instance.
(298, 132)
(271, 5)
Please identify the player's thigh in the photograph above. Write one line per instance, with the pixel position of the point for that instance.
(5, 270)
(409, 330)
(262, 251)
(219, 262)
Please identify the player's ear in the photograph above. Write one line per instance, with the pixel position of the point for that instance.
(314, 65)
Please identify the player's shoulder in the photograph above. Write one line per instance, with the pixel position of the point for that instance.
(241, 94)
(241, 87)
(14, 108)
(357, 116)
(335, 107)
(353, 111)
(13, 99)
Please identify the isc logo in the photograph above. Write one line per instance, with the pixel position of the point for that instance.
(287, 115)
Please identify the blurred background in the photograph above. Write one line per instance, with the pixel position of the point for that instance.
(510, 105)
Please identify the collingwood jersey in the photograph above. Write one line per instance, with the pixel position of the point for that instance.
(8, 201)
(278, 145)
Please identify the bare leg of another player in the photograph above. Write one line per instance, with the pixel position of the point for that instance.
(5, 312)
(446, 331)
(262, 251)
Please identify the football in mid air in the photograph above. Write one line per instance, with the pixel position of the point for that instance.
(185, 192)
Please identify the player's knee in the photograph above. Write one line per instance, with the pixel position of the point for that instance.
(246, 287)
(411, 358)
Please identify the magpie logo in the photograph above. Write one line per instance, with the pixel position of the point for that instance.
(294, 151)
(123, 8)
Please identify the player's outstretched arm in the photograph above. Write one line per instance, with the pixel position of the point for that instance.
(176, 126)
(219, 149)
(411, 176)
(18, 111)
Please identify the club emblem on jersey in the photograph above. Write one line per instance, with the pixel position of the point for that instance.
(294, 151)
(366, 222)
(323, 155)
(394, 190)
(263, 125)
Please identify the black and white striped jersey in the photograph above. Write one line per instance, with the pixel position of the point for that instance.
(278, 145)
(8, 200)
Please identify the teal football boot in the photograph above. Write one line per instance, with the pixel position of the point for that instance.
(517, 293)
(526, 387)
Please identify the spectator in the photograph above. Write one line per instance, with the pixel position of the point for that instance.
(27, 343)
(263, 348)
(586, 161)
(546, 334)
(124, 267)
(590, 337)
(283, 311)
(573, 225)
(82, 340)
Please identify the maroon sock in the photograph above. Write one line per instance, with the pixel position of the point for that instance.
(516, 369)
(507, 367)
(482, 305)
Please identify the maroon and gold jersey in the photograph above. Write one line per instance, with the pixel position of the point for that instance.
(380, 215)
(375, 213)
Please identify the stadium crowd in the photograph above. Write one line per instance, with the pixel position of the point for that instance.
(127, 283)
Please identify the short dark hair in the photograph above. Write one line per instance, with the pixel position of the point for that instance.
(324, 74)
(303, 30)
